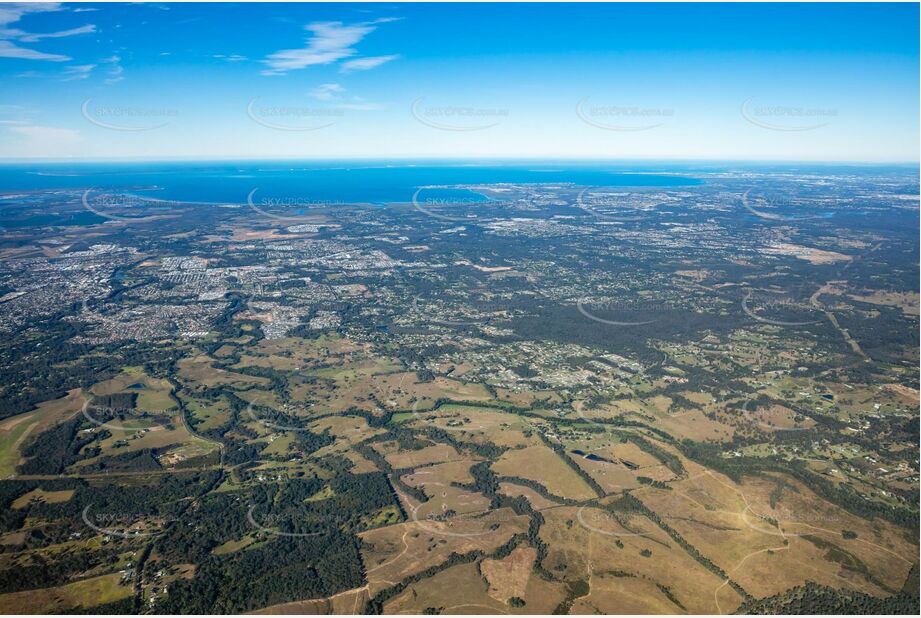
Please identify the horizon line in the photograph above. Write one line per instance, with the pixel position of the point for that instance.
(464, 158)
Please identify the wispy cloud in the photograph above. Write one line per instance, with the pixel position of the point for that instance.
(34, 38)
(332, 93)
(80, 71)
(326, 92)
(116, 71)
(11, 50)
(365, 64)
(13, 12)
(230, 57)
(9, 37)
(330, 42)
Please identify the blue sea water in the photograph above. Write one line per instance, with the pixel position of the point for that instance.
(342, 181)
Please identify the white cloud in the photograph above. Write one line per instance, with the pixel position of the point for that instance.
(116, 71)
(331, 92)
(330, 41)
(34, 38)
(80, 71)
(230, 57)
(364, 64)
(11, 50)
(325, 92)
(12, 13)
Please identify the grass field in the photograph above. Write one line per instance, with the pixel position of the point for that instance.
(347, 602)
(462, 589)
(212, 414)
(395, 552)
(143, 434)
(539, 463)
(593, 546)
(40, 495)
(235, 545)
(399, 458)
(153, 394)
(537, 501)
(81, 595)
(199, 372)
(436, 481)
(15, 430)
(476, 424)
(733, 526)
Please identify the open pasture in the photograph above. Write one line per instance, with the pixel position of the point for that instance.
(444, 498)
(476, 424)
(41, 495)
(435, 452)
(627, 550)
(15, 430)
(395, 552)
(464, 589)
(208, 414)
(199, 372)
(347, 602)
(538, 502)
(80, 595)
(347, 431)
(140, 433)
(771, 534)
(539, 463)
(153, 394)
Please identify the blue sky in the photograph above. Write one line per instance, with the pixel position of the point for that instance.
(818, 82)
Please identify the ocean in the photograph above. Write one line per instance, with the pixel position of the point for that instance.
(333, 181)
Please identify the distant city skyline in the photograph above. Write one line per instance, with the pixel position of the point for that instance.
(730, 82)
